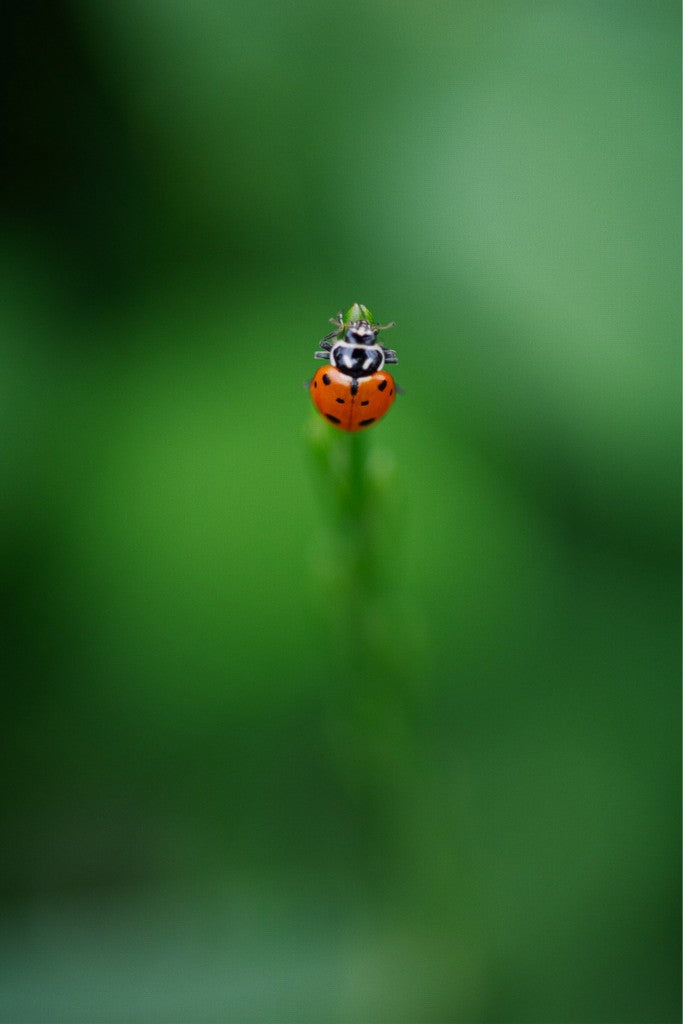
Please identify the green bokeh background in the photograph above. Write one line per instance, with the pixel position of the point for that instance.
(218, 805)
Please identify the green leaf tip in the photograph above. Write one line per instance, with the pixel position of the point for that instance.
(359, 312)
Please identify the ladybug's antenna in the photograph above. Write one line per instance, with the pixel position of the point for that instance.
(383, 327)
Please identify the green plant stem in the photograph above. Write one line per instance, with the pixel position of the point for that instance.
(367, 715)
(359, 514)
(353, 499)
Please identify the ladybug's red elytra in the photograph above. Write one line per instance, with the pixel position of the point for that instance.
(355, 391)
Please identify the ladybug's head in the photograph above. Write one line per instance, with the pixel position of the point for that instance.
(360, 332)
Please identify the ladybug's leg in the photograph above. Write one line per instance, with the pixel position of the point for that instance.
(390, 356)
(339, 327)
(321, 355)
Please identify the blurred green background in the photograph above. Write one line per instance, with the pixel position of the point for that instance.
(218, 805)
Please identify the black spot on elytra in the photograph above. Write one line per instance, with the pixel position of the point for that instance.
(326, 378)
(366, 401)
(366, 423)
(331, 418)
(381, 386)
(315, 383)
(340, 400)
(391, 392)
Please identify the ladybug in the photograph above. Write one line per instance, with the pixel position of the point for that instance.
(355, 391)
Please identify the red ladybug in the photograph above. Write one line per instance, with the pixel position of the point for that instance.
(355, 391)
